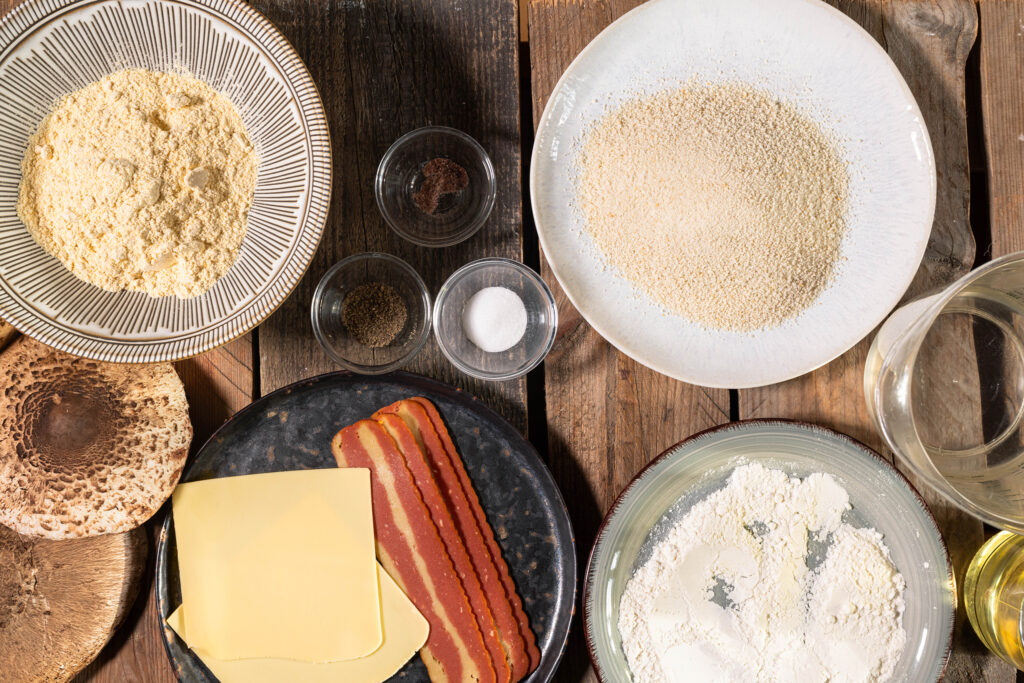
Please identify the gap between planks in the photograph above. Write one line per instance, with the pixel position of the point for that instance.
(931, 39)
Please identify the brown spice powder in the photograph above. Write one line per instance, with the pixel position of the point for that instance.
(374, 314)
(440, 177)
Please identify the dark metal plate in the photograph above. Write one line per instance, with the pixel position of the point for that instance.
(292, 429)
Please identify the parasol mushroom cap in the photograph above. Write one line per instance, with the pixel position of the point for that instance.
(60, 601)
(86, 448)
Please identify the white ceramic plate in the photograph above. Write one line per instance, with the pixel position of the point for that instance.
(804, 52)
(51, 47)
(881, 498)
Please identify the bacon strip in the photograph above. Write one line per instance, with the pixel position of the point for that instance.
(411, 550)
(513, 624)
(417, 420)
(419, 467)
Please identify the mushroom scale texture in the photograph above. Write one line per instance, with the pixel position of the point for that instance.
(86, 448)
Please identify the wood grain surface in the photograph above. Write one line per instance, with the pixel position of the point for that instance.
(1002, 107)
(7, 334)
(607, 415)
(1001, 58)
(384, 69)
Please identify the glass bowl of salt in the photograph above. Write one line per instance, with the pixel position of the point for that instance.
(495, 319)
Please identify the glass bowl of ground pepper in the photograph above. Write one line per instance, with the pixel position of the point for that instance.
(435, 186)
(371, 313)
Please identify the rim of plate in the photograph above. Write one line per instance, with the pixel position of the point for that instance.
(30, 17)
(639, 355)
(740, 425)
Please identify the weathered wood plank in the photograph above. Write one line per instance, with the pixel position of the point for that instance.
(1002, 115)
(1002, 108)
(7, 334)
(219, 383)
(383, 69)
(929, 41)
(136, 652)
(608, 416)
(1002, 102)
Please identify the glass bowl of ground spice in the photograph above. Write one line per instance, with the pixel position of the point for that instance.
(495, 319)
(435, 186)
(371, 313)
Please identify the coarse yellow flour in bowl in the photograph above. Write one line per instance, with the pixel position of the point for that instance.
(141, 181)
(209, 238)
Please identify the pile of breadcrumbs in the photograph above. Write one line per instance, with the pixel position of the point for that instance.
(720, 203)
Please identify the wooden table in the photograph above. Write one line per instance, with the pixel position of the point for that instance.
(487, 67)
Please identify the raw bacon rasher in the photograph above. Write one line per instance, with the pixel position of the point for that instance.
(518, 639)
(411, 550)
(421, 472)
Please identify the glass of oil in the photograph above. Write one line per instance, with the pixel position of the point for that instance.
(994, 596)
(944, 383)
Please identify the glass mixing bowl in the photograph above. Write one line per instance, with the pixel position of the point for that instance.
(880, 497)
(541, 319)
(335, 338)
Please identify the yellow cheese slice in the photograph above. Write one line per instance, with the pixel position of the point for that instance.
(279, 565)
(405, 631)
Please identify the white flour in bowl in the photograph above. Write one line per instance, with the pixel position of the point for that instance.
(728, 594)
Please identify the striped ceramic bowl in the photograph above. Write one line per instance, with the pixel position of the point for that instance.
(51, 47)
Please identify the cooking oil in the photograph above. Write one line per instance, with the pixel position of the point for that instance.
(994, 595)
(951, 403)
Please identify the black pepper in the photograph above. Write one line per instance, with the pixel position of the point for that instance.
(374, 314)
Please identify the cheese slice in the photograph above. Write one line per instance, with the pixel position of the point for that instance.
(405, 631)
(279, 565)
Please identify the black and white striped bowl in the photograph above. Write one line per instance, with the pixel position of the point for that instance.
(51, 47)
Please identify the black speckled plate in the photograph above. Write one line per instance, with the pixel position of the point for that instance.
(292, 429)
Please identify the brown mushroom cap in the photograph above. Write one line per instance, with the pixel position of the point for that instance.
(7, 333)
(86, 448)
(60, 601)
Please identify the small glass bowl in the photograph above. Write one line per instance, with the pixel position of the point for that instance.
(331, 332)
(399, 177)
(541, 319)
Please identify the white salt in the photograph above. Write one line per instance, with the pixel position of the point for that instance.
(494, 319)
